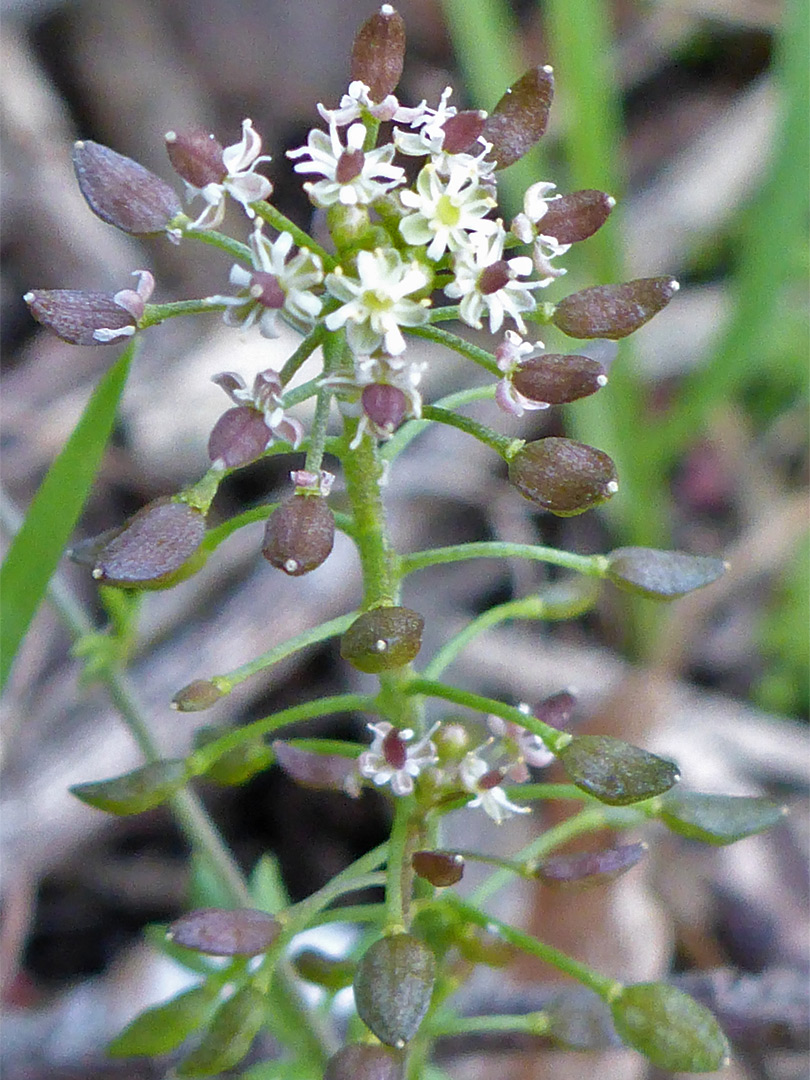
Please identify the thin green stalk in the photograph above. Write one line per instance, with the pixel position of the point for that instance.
(300, 915)
(302, 353)
(274, 217)
(501, 444)
(212, 238)
(590, 565)
(458, 344)
(362, 470)
(409, 431)
(400, 874)
(535, 1023)
(154, 314)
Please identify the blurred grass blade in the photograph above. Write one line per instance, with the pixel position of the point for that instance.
(37, 548)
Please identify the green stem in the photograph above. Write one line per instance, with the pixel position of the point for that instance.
(590, 565)
(362, 470)
(536, 1023)
(302, 353)
(458, 344)
(214, 239)
(274, 217)
(448, 313)
(408, 432)
(364, 869)
(501, 444)
(154, 314)
(400, 874)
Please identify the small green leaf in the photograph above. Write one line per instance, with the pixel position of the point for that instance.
(136, 791)
(37, 548)
(718, 819)
(663, 575)
(233, 1029)
(164, 1027)
(670, 1028)
(614, 771)
(267, 886)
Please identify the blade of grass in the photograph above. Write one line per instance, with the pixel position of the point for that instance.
(37, 548)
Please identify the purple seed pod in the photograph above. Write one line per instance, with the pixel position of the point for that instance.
(393, 986)
(385, 406)
(440, 868)
(585, 869)
(662, 575)
(220, 932)
(122, 192)
(462, 131)
(378, 54)
(196, 156)
(198, 695)
(556, 710)
(325, 772)
(556, 379)
(519, 119)
(361, 1061)
(563, 476)
(383, 638)
(576, 216)
(153, 550)
(299, 535)
(613, 311)
(239, 437)
(77, 317)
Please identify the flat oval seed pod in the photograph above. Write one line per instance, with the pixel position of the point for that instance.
(122, 192)
(440, 868)
(325, 772)
(75, 316)
(360, 1061)
(613, 311)
(299, 535)
(718, 819)
(556, 379)
(196, 156)
(384, 638)
(563, 476)
(519, 119)
(615, 772)
(136, 791)
(220, 932)
(235, 1025)
(152, 547)
(393, 986)
(585, 869)
(662, 575)
(576, 216)
(378, 54)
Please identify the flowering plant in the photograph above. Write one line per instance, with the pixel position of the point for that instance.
(396, 250)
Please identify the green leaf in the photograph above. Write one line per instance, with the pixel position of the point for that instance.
(662, 575)
(718, 819)
(206, 888)
(614, 771)
(136, 791)
(54, 511)
(229, 1038)
(670, 1028)
(164, 1027)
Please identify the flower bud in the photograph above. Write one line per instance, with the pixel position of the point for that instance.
(385, 406)
(360, 1061)
(615, 772)
(440, 868)
(122, 192)
(221, 932)
(378, 54)
(393, 986)
(613, 311)
(198, 695)
(299, 535)
(154, 550)
(584, 869)
(196, 157)
(556, 379)
(76, 317)
(563, 476)
(383, 638)
(519, 119)
(349, 226)
(576, 216)
(462, 131)
(239, 437)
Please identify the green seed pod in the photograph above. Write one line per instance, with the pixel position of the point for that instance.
(393, 986)
(222, 932)
(234, 1027)
(136, 791)
(164, 1027)
(519, 119)
(440, 868)
(615, 772)
(361, 1061)
(299, 535)
(613, 311)
(662, 575)
(378, 54)
(718, 819)
(323, 970)
(563, 476)
(383, 638)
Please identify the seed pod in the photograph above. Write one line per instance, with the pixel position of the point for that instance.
(519, 119)
(299, 535)
(326, 772)
(361, 1061)
(556, 710)
(440, 868)
(385, 406)
(393, 986)
(662, 575)
(196, 156)
(239, 437)
(576, 216)
(154, 549)
(378, 54)
(198, 695)
(236, 766)
(462, 131)
(386, 637)
(613, 311)
(323, 970)
(235, 1025)
(75, 316)
(585, 869)
(556, 379)
(718, 819)
(122, 192)
(579, 1020)
(221, 932)
(563, 476)
(615, 772)
(136, 791)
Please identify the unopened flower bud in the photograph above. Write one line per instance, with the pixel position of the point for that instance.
(196, 156)
(563, 476)
(78, 317)
(613, 311)
(383, 638)
(576, 216)
(440, 868)
(556, 379)
(519, 119)
(225, 932)
(122, 192)
(393, 986)
(361, 1061)
(378, 54)
(299, 535)
(198, 695)
(385, 406)
(461, 132)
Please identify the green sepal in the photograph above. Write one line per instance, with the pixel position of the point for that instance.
(164, 1027)
(615, 772)
(669, 1028)
(136, 791)
(661, 575)
(718, 819)
(233, 1029)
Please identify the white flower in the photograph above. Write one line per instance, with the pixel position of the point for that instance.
(483, 781)
(241, 182)
(132, 301)
(357, 101)
(240, 438)
(446, 212)
(390, 759)
(400, 375)
(523, 747)
(430, 139)
(352, 176)
(375, 303)
(486, 282)
(526, 227)
(509, 354)
(276, 284)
